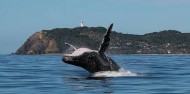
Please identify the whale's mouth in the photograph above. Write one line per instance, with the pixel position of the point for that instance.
(67, 58)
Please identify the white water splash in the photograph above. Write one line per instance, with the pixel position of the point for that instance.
(79, 51)
(71, 46)
(120, 73)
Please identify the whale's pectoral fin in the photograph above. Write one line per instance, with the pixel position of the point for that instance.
(106, 40)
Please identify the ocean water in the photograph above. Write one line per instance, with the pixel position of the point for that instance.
(141, 74)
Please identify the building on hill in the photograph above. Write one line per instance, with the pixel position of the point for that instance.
(81, 24)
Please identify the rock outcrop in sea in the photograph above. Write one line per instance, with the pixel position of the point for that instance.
(53, 41)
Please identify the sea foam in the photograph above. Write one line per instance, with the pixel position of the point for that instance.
(120, 73)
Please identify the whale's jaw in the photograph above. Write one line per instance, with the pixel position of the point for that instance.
(81, 57)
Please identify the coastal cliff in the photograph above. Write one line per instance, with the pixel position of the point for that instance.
(53, 41)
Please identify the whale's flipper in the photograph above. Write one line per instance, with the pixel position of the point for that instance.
(106, 40)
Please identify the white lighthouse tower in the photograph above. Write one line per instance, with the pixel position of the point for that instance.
(81, 24)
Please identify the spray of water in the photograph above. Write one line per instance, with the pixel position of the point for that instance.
(120, 73)
(71, 46)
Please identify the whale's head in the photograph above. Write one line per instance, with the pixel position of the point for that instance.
(83, 57)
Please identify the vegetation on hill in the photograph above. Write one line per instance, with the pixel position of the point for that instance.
(53, 41)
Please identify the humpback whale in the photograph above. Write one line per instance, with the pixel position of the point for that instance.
(91, 60)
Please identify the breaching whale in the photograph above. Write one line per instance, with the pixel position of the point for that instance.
(91, 60)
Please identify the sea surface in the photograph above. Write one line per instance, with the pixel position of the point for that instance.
(141, 74)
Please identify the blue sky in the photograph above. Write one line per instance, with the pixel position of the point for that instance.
(19, 19)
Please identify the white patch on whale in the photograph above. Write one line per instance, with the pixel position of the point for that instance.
(120, 73)
(80, 51)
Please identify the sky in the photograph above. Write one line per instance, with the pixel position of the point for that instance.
(19, 19)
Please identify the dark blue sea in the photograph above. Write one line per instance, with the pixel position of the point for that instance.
(47, 74)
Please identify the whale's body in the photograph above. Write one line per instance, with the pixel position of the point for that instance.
(92, 60)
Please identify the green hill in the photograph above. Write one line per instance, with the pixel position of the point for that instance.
(53, 41)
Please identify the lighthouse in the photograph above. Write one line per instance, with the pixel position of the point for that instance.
(81, 24)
